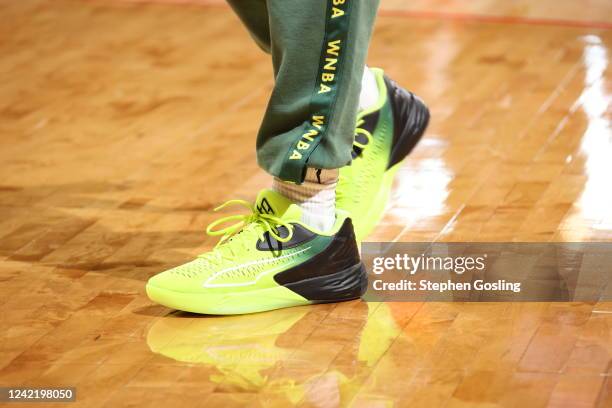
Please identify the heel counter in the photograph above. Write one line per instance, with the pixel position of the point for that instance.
(337, 275)
(349, 249)
(341, 253)
(410, 120)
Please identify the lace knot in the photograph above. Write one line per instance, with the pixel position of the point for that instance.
(262, 222)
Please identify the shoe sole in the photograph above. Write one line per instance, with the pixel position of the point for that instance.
(344, 285)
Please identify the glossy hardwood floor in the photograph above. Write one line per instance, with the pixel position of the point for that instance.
(122, 125)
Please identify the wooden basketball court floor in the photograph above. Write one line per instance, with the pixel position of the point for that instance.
(122, 125)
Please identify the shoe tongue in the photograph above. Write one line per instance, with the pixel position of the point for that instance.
(271, 202)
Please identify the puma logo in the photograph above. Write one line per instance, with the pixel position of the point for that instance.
(264, 207)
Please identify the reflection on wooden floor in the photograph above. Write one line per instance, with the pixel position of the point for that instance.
(122, 125)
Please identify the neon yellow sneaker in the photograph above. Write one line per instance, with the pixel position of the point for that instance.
(268, 259)
(384, 136)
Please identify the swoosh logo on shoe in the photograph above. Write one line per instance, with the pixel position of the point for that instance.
(208, 283)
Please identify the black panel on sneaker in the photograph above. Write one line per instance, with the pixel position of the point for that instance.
(410, 119)
(341, 254)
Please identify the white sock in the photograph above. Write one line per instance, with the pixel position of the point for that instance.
(316, 195)
(369, 90)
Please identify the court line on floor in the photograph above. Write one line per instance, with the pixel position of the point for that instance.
(423, 14)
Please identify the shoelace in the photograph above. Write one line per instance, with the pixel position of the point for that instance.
(357, 145)
(255, 222)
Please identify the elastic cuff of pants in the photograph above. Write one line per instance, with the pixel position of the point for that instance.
(321, 176)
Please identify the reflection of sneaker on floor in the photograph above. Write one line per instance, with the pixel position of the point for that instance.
(384, 136)
(269, 353)
(241, 348)
(247, 354)
(268, 260)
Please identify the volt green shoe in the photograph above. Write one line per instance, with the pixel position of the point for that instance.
(384, 136)
(267, 259)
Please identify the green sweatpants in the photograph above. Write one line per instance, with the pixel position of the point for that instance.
(318, 50)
